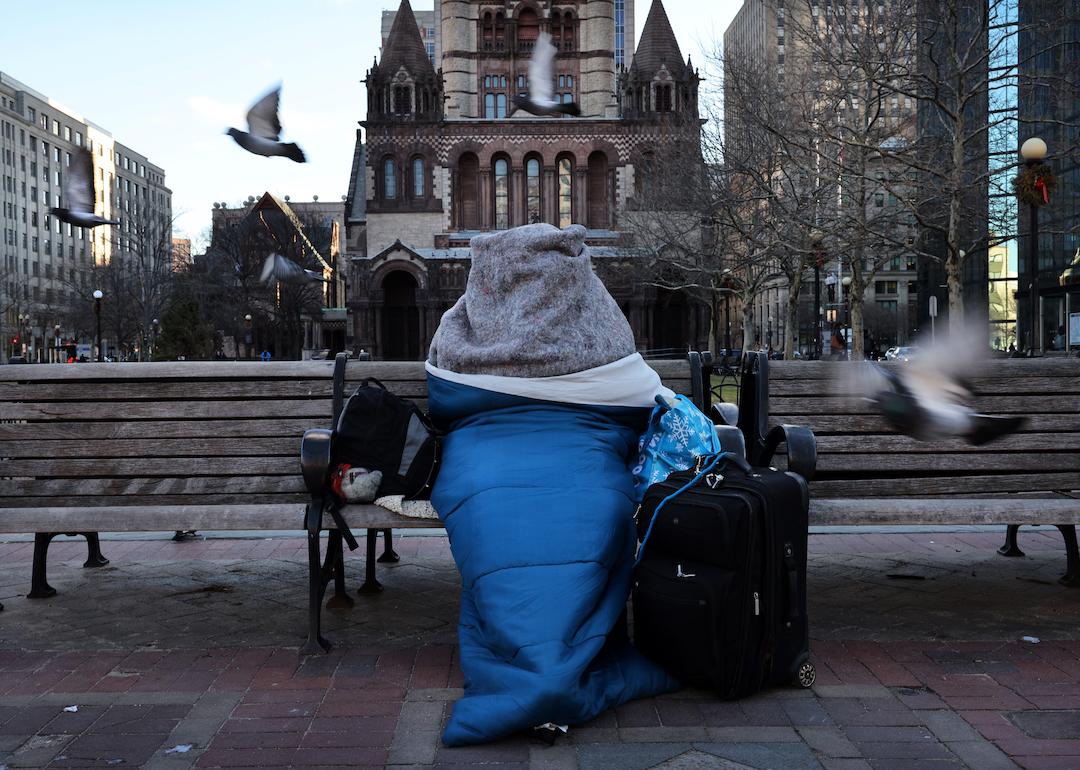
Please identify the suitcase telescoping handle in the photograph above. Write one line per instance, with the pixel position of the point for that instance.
(705, 466)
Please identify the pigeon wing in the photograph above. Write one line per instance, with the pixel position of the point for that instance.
(262, 118)
(268, 269)
(78, 187)
(542, 71)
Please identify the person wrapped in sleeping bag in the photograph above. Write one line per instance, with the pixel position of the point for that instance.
(535, 378)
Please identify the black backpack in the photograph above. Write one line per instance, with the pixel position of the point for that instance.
(380, 431)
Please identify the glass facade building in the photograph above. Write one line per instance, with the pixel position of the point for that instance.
(1048, 102)
(1002, 141)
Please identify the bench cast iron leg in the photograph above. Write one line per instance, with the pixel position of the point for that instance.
(1071, 577)
(93, 551)
(334, 565)
(1011, 548)
(39, 586)
(389, 555)
(371, 585)
(315, 644)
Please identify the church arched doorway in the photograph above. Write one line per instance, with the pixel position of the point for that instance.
(400, 318)
(671, 321)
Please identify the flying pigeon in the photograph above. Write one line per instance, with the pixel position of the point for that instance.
(928, 397)
(541, 98)
(279, 268)
(264, 128)
(78, 193)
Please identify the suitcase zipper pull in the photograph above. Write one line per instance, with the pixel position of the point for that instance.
(680, 573)
(757, 603)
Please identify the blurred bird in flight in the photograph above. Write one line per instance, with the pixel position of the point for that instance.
(928, 398)
(279, 268)
(541, 98)
(79, 195)
(264, 129)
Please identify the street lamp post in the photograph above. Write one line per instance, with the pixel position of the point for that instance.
(816, 237)
(1033, 151)
(98, 294)
(846, 317)
(249, 340)
(24, 321)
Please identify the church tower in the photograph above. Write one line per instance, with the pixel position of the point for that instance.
(659, 84)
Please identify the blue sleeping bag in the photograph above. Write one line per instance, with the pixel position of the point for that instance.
(538, 501)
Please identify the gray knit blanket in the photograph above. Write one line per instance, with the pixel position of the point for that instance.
(533, 307)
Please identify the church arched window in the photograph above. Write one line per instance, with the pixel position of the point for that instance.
(533, 210)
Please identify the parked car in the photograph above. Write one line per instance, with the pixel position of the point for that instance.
(17, 360)
(904, 353)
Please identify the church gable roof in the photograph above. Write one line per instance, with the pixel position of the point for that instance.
(404, 48)
(657, 46)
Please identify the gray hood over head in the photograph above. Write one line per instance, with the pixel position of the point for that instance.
(533, 307)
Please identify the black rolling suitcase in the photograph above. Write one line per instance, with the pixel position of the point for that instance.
(719, 593)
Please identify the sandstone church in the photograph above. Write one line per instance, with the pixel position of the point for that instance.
(441, 156)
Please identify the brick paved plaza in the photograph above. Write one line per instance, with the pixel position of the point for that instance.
(182, 655)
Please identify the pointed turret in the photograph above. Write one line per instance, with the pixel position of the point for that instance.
(657, 46)
(659, 83)
(404, 47)
(403, 85)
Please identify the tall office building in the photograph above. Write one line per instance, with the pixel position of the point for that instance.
(47, 264)
(769, 36)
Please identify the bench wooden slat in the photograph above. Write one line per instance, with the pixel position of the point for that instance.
(137, 501)
(145, 467)
(172, 370)
(95, 392)
(829, 424)
(898, 511)
(895, 443)
(115, 431)
(958, 463)
(995, 367)
(148, 447)
(166, 518)
(158, 485)
(178, 410)
(945, 486)
(841, 405)
(1033, 385)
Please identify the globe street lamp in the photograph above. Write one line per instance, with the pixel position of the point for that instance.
(846, 282)
(98, 294)
(1033, 151)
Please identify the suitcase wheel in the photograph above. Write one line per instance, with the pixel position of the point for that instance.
(807, 675)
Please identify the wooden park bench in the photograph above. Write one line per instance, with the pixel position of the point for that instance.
(91, 448)
(867, 474)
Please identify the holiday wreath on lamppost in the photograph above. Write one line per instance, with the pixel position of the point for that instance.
(1034, 183)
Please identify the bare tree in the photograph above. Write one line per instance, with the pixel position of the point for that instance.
(227, 285)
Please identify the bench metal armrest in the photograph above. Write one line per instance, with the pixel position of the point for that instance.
(801, 448)
(315, 459)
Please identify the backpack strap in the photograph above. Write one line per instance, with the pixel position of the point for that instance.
(340, 361)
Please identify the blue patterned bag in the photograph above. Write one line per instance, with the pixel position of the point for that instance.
(677, 435)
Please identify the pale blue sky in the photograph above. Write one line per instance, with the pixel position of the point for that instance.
(167, 78)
